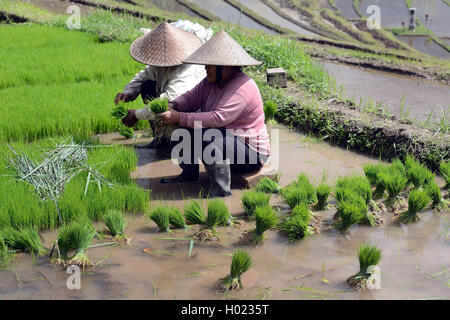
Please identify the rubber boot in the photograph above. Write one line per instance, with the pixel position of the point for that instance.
(220, 177)
(190, 173)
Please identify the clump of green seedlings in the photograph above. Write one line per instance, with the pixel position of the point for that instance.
(267, 185)
(270, 109)
(294, 195)
(119, 111)
(159, 105)
(76, 236)
(418, 174)
(194, 213)
(368, 256)
(240, 263)
(217, 214)
(176, 218)
(417, 200)
(322, 193)
(24, 239)
(304, 183)
(5, 255)
(394, 182)
(434, 192)
(349, 213)
(116, 223)
(160, 215)
(265, 219)
(126, 131)
(444, 169)
(296, 224)
(374, 176)
(253, 199)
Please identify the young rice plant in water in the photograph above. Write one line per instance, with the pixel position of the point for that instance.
(322, 193)
(194, 213)
(444, 169)
(160, 215)
(266, 219)
(240, 263)
(176, 218)
(24, 239)
(417, 200)
(217, 214)
(116, 223)
(267, 185)
(253, 199)
(368, 256)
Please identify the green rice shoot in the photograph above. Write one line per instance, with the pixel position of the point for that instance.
(24, 239)
(322, 193)
(294, 195)
(265, 219)
(267, 185)
(368, 255)
(434, 193)
(349, 213)
(126, 131)
(159, 105)
(417, 200)
(241, 262)
(253, 199)
(444, 169)
(176, 218)
(295, 227)
(116, 223)
(160, 215)
(217, 214)
(395, 182)
(119, 111)
(194, 213)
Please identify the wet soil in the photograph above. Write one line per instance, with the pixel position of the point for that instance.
(413, 266)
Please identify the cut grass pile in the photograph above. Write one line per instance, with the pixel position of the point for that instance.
(21, 207)
(65, 86)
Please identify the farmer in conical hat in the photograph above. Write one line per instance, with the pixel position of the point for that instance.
(163, 50)
(229, 101)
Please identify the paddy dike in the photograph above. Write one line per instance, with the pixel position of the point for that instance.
(412, 266)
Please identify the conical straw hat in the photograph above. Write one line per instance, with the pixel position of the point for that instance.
(221, 50)
(164, 46)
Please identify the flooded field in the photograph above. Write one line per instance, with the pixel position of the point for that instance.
(403, 96)
(230, 14)
(346, 9)
(172, 5)
(414, 264)
(438, 15)
(425, 45)
(393, 12)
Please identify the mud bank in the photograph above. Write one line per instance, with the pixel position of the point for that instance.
(11, 18)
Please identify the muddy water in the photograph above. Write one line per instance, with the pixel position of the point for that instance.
(421, 97)
(172, 5)
(346, 9)
(314, 268)
(59, 7)
(426, 45)
(393, 12)
(439, 15)
(265, 11)
(230, 14)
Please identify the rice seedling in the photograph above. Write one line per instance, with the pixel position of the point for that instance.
(395, 182)
(371, 171)
(119, 111)
(304, 183)
(126, 132)
(359, 185)
(349, 213)
(417, 200)
(270, 109)
(76, 236)
(399, 167)
(267, 185)
(5, 256)
(322, 193)
(193, 212)
(217, 214)
(266, 219)
(419, 175)
(241, 262)
(444, 169)
(368, 256)
(116, 224)
(434, 192)
(160, 215)
(295, 227)
(176, 219)
(159, 105)
(295, 195)
(24, 239)
(253, 199)
(302, 210)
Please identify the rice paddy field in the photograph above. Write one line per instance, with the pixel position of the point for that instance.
(330, 225)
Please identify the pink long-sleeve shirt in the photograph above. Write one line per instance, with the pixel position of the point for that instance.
(236, 105)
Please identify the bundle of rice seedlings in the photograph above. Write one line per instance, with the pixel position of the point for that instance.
(4, 253)
(295, 227)
(322, 193)
(193, 212)
(303, 182)
(410, 161)
(253, 199)
(303, 211)
(176, 219)
(349, 213)
(160, 215)
(24, 239)
(76, 236)
(398, 166)
(395, 182)
(270, 108)
(126, 131)
(116, 224)
(119, 111)
(267, 185)
(444, 169)
(417, 200)
(368, 255)
(295, 195)
(380, 186)
(240, 263)
(419, 175)
(159, 105)
(371, 171)
(217, 214)
(434, 192)
(266, 219)
(359, 185)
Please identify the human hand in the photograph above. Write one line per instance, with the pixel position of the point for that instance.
(130, 120)
(169, 117)
(122, 97)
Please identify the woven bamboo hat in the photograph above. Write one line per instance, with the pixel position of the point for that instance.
(221, 50)
(164, 46)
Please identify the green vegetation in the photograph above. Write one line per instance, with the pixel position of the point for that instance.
(176, 219)
(76, 236)
(267, 185)
(159, 105)
(434, 193)
(193, 212)
(253, 199)
(395, 182)
(444, 169)
(240, 263)
(217, 214)
(266, 219)
(368, 256)
(270, 109)
(295, 227)
(5, 255)
(350, 213)
(116, 223)
(24, 239)
(417, 200)
(322, 192)
(294, 195)
(160, 215)
(303, 211)
(419, 175)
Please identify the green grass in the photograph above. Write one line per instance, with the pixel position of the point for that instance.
(265, 219)
(21, 207)
(368, 255)
(444, 169)
(160, 215)
(322, 193)
(217, 214)
(267, 185)
(417, 200)
(270, 109)
(115, 222)
(252, 199)
(176, 218)
(24, 239)
(194, 213)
